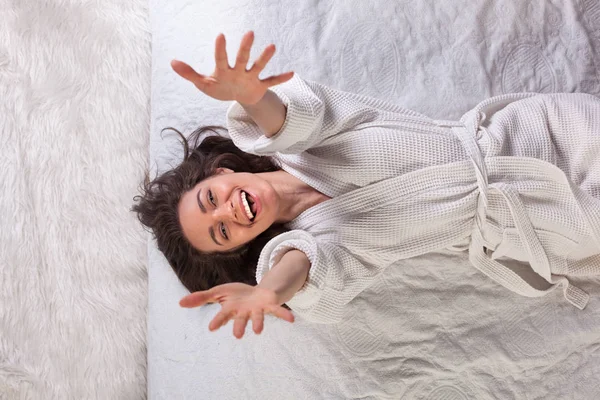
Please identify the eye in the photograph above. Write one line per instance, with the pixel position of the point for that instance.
(223, 231)
(211, 198)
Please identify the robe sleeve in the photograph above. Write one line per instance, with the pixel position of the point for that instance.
(314, 114)
(335, 277)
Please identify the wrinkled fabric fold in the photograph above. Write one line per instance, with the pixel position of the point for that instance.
(467, 132)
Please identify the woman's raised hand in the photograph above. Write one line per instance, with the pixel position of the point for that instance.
(241, 303)
(238, 83)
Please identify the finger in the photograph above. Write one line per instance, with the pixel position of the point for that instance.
(239, 326)
(278, 79)
(282, 313)
(186, 72)
(265, 57)
(196, 299)
(241, 62)
(221, 53)
(219, 320)
(258, 319)
(202, 297)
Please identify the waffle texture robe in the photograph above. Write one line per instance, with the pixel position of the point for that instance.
(517, 177)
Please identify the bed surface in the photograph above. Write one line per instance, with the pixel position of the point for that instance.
(430, 327)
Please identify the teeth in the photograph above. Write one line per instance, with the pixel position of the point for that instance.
(246, 206)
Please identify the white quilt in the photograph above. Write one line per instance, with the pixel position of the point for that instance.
(431, 327)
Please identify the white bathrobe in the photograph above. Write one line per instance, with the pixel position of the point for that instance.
(518, 176)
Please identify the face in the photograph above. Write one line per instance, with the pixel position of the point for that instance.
(227, 210)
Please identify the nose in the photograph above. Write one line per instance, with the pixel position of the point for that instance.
(225, 211)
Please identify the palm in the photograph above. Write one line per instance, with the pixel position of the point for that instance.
(232, 85)
(240, 302)
(237, 83)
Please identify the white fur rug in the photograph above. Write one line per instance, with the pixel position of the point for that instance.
(74, 122)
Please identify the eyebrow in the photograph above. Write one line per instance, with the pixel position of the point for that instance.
(211, 231)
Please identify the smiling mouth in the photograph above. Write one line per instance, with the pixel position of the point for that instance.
(249, 205)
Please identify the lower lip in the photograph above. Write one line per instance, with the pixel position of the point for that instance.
(257, 204)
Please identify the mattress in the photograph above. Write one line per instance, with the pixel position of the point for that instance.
(431, 327)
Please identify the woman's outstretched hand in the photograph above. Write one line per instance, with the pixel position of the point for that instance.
(237, 83)
(239, 302)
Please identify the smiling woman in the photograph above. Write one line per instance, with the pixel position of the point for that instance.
(364, 183)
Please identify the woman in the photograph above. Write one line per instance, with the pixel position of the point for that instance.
(360, 184)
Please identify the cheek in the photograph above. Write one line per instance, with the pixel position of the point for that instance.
(246, 234)
(261, 226)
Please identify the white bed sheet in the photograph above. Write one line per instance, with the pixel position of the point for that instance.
(431, 327)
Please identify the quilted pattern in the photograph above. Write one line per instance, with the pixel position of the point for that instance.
(431, 327)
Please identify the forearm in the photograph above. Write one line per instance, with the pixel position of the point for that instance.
(287, 276)
(269, 113)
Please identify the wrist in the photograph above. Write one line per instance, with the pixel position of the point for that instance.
(268, 112)
(251, 104)
(287, 276)
(273, 290)
(269, 293)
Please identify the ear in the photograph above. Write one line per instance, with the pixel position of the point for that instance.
(224, 171)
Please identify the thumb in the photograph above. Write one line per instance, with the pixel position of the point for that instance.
(185, 71)
(197, 299)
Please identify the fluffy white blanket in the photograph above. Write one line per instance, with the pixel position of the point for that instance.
(74, 115)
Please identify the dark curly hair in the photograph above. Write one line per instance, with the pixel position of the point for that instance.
(157, 209)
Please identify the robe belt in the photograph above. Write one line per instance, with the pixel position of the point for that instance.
(467, 131)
